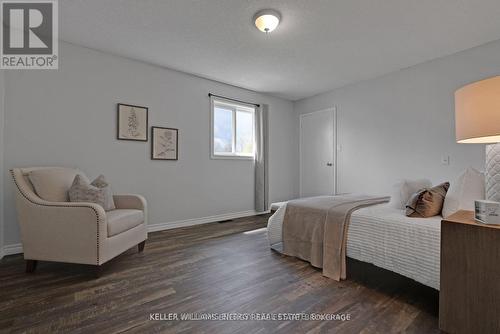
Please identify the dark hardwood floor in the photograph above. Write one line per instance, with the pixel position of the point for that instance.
(212, 268)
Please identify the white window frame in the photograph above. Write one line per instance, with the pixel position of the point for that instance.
(234, 107)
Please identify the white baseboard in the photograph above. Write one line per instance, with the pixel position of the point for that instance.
(12, 249)
(18, 248)
(203, 220)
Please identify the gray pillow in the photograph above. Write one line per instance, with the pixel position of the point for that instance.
(100, 182)
(98, 192)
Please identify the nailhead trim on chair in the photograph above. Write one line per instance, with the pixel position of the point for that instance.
(61, 206)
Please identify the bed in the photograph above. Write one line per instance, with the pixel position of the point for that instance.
(385, 237)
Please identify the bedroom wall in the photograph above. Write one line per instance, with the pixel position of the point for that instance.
(2, 87)
(400, 125)
(68, 117)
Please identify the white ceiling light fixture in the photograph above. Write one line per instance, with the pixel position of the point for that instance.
(267, 20)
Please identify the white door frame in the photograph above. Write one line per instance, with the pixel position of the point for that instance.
(334, 169)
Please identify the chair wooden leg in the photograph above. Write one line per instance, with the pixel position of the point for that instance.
(97, 271)
(141, 246)
(31, 265)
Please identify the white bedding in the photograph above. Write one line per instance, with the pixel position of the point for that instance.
(385, 237)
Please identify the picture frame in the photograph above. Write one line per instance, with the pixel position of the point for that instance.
(132, 122)
(164, 143)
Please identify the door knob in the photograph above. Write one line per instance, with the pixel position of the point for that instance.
(329, 164)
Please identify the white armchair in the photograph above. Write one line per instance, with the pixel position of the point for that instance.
(76, 232)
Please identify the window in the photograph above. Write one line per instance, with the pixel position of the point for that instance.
(232, 130)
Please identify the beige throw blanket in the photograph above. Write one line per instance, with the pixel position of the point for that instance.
(315, 229)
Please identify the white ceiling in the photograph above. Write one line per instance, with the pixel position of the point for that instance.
(320, 44)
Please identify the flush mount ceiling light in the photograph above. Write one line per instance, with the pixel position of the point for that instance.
(267, 20)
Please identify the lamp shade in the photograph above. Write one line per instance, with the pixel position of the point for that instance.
(477, 112)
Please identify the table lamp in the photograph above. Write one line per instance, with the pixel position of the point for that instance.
(477, 121)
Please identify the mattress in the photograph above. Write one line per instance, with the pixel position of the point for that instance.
(385, 237)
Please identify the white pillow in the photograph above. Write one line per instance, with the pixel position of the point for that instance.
(468, 187)
(404, 189)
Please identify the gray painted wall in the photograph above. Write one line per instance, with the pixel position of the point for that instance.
(68, 117)
(396, 126)
(2, 89)
(401, 124)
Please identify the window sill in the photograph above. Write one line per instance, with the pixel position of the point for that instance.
(231, 157)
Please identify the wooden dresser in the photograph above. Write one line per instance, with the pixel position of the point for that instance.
(469, 298)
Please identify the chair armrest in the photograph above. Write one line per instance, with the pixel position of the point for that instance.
(130, 201)
(62, 231)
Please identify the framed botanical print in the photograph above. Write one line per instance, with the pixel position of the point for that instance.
(164, 143)
(132, 122)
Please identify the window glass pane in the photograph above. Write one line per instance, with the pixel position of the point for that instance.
(244, 132)
(223, 130)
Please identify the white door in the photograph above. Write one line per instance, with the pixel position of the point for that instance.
(317, 154)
